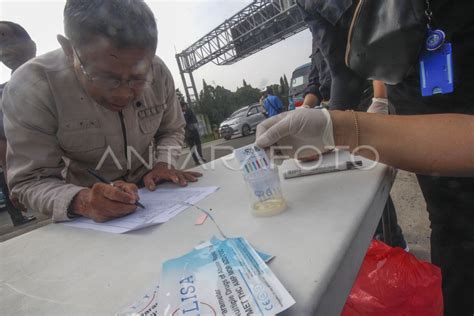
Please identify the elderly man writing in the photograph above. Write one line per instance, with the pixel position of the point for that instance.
(102, 101)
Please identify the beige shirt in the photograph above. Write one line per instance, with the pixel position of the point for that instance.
(55, 131)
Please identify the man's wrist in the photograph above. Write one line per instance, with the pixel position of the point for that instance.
(162, 164)
(79, 204)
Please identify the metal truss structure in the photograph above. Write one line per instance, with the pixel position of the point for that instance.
(257, 26)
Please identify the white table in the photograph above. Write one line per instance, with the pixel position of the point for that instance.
(319, 244)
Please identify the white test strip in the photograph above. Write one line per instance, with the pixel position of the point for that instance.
(348, 165)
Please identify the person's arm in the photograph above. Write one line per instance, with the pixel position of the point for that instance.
(426, 144)
(380, 99)
(441, 144)
(312, 93)
(380, 90)
(310, 100)
(35, 163)
(34, 155)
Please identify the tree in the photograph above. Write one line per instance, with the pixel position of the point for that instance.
(216, 102)
(246, 95)
(282, 86)
(286, 82)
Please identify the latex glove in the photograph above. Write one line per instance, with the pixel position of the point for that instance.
(379, 105)
(305, 133)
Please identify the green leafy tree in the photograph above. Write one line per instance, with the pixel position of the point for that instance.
(286, 82)
(281, 88)
(216, 102)
(246, 95)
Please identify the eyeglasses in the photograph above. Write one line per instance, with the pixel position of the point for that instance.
(113, 83)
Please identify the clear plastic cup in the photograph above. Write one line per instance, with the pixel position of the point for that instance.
(266, 196)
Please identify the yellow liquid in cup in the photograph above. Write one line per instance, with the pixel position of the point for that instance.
(269, 207)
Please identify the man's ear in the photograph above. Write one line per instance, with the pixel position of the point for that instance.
(66, 46)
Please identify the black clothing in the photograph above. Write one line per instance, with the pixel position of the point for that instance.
(192, 137)
(193, 141)
(450, 201)
(329, 23)
(189, 117)
(331, 11)
(16, 215)
(319, 78)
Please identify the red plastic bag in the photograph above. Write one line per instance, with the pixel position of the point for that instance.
(394, 282)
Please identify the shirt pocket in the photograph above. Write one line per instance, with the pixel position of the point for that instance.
(82, 140)
(149, 118)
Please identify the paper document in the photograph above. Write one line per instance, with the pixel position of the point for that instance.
(160, 206)
(147, 305)
(221, 278)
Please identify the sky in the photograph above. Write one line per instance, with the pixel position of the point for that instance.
(180, 24)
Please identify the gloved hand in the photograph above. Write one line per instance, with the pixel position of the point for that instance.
(298, 134)
(379, 105)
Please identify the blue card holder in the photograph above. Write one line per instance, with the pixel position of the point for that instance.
(436, 71)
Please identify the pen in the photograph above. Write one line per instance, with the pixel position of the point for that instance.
(102, 179)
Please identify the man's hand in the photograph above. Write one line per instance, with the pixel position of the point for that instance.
(104, 202)
(165, 172)
(298, 134)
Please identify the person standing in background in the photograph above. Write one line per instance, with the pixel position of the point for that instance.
(191, 134)
(273, 105)
(16, 48)
(329, 22)
(103, 101)
(449, 199)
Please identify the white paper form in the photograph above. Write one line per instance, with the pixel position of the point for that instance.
(225, 277)
(160, 206)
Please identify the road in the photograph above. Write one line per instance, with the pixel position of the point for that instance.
(406, 195)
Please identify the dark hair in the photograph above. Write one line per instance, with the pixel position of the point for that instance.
(124, 22)
(18, 30)
(269, 90)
